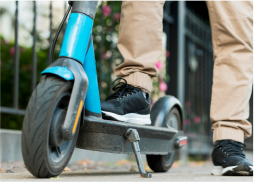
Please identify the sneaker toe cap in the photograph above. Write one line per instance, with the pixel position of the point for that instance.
(235, 161)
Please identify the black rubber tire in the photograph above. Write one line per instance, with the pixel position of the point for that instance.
(162, 163)
(36, 127)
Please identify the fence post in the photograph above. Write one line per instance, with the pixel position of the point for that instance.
(181, 51)
(16, 72)
(34, 71)
(50, 29)
(101, 51)
(181, 64)
(176, 64)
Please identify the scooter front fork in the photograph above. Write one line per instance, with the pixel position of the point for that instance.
(74, 52)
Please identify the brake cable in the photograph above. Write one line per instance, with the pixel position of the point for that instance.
(52, 47)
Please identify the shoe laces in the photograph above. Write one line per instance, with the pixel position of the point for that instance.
(231, 148)
(122, 89)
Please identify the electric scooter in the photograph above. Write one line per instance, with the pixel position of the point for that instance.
(64, 110)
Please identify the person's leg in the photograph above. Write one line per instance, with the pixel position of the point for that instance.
(140, 43)
(232, 32)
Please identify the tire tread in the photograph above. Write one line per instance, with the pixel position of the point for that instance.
(34, 125)
(157, 162)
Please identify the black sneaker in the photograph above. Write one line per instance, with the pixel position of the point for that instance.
(129, 104)
(229, 159)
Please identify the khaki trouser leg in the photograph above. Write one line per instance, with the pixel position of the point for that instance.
(140, 42)
(232, 26)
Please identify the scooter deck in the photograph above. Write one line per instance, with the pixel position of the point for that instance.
(109, 136)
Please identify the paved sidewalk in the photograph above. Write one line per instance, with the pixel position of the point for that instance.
(127, 171)
(10, 139)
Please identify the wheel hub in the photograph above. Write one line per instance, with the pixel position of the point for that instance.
(172, 122)
(55, 136)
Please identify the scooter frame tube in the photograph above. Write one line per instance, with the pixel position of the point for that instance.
(92, 101)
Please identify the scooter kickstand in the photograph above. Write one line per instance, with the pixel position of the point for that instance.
(133, 137)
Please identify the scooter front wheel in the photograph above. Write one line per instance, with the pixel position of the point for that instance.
(44, 151)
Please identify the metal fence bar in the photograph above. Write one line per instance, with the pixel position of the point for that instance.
(198, 31)
(166, 13)
(50, 29)
(65, 7)
(168, 18)
(16, 66)
(34, 71)
(101, 50)
(197, 20)
(112, 45)
(199, 35)
(180, 51)
(197, 40)
(65, 23)
(9, 110)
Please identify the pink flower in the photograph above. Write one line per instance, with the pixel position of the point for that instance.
(117, 16)
(163, 87)
(104, 56)
(167, 54)
(158, 65)
(12, 51)
(106, 10)
(196, 119)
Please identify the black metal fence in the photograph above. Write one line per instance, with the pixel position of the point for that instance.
(190, 68)
(15, 109)
(184, 68)
(198, 83)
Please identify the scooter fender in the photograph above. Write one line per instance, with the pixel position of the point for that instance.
(70, 69)
(60, 71)
(159, 113)
(163, 106)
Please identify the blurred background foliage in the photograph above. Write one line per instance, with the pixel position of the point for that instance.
(105, 35)
(7, 75)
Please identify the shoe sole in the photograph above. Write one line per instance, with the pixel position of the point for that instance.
(242, 169)
(128, 118)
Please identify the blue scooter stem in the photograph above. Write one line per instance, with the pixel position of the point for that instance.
(76, 37)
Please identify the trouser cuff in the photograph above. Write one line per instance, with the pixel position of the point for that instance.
(226, 133)
(140, 80)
